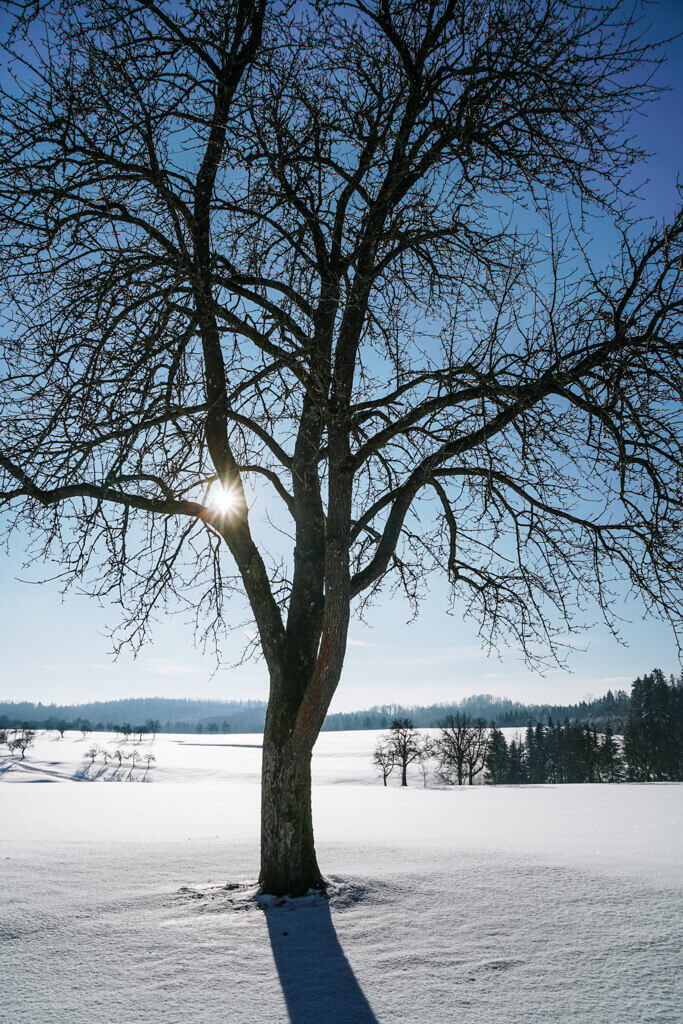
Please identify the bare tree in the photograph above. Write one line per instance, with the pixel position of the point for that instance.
(454, 748)
(134, 757)
(261, 248)
(22, 740)
(383, 758)
(428, 750)
(406, 745)
(475, 756)
(152, 727)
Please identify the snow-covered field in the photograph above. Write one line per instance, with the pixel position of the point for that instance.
(135, 903)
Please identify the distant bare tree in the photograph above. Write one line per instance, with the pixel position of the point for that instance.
(134, 758)
(453, 747)
(475, 757)
(428, 748)
(311, 255)
(383, 758)
(152, 727)
(406, 745)
(22, 740)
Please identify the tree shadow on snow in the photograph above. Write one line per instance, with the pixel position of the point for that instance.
(246, 746)
(317, 980)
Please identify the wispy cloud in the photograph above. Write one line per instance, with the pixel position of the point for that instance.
(168, 667)
(246, 676)
(608, 680)
(445, 655)
(353, 642)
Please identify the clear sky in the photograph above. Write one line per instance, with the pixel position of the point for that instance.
(54, 649)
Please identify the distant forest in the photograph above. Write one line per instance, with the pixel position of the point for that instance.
(650, 750)
(168, 715)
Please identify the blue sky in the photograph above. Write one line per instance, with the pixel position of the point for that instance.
(57, 649)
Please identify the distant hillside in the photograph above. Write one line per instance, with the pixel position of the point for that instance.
(171, 715)
(249, 716)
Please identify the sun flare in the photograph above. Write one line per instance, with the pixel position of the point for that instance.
(225, 500)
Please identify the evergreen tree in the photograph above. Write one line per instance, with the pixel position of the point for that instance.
(536, 754)
(554, 753)
(612, 766)
(573, 752)
(648, 733)
(496, 760)
(590, 753)
(676, 719)
(517, 772)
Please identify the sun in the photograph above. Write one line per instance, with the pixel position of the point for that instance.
(225, 500)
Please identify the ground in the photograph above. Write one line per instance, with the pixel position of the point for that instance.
(137, 903)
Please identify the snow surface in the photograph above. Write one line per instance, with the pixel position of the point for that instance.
(137, 903)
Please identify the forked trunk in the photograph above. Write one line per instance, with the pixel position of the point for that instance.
(288, 862)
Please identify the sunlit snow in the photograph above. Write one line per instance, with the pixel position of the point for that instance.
(138, 902)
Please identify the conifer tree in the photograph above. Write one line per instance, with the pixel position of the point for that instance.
(589, 753)
(554, 752)
(536, 754)
(572, 752)
(517, 771)
(646, 736)
(496, 761)
(612, 767)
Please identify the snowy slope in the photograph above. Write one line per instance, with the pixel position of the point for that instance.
(344, 757)
(487, 905)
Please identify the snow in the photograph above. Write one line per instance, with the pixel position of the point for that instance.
(340, 757)
(138, 903)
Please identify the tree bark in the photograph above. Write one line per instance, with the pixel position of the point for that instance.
(288, 862)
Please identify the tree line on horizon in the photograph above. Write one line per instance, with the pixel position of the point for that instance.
(650, 750)
(188, 715)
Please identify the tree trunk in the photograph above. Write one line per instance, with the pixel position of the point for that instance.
(288, 862)
(404, 774)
